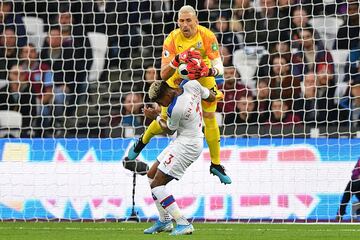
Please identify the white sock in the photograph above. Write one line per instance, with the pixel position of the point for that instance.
(168, 202)
(163, 214)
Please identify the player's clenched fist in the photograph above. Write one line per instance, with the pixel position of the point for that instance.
(184, 57)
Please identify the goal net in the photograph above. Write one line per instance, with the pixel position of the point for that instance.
(74, 77)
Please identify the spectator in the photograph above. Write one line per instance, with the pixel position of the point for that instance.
(263, 96)
(348, 33)
(226, 55)
(283, 49)
(155, 24)
(209, 13)
(74, 38)
(8, 52)
(312, 7)
(60, 59)
(282, 80)
(352, 188)
(41, 85)
(312, 54)
(351, 67)
(258, 28)
(224, 35)
(21, 99)
(280, 113)
(271, 24)
(151, 74)
(318, 91)
(131, 114)
(350, 102)
(247, 113)
(241, 10)
(300, 20)
(42, 9)
(232, 89)
(10, 19)
(117, 19)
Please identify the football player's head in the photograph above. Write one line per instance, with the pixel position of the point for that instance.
(188, 21)
(161, 93)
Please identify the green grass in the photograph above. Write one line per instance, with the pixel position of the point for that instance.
(216, 231)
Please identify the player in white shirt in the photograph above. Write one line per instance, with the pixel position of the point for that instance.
(184, 117)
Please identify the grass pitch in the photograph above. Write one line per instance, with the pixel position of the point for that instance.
(208, 231)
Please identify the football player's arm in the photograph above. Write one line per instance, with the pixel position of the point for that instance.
(213, 53)
(207, 95)
(166, 71)
(154, 114)
(164, 125)
(217, 67)
(168, 54)
(172, 123)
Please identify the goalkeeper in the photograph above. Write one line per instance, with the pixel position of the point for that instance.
(182, 45)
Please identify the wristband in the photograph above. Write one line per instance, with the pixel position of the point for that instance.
(213, 72)
(158, 118)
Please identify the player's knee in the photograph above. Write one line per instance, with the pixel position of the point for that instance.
(150, 175)
(159, 180)
(155, 183)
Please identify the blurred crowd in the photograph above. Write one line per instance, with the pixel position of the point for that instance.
(295, 80)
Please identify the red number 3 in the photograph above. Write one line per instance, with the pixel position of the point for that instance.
(167, 162)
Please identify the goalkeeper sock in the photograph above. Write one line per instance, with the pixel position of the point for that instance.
(212, 135)
(153, 129)
(163, 214)
(167, 201)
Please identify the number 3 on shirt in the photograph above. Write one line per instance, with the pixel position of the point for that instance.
(168, 161)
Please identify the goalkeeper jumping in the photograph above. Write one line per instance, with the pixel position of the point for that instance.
(182, 45)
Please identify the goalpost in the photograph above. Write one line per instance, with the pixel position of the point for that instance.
(70, 112)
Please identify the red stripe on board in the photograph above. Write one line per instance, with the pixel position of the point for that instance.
(224, 155)
(297, 155)
(283, 201)
(256, 155)
(185, 202)
(249, 201)
(305, 199)
(216, 203)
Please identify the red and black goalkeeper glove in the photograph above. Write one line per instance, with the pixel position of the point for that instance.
(184, 57)
(194, 70)
(206, 71)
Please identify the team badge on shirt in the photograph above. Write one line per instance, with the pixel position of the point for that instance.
(199, 45)
(166, 53)
(214, 47)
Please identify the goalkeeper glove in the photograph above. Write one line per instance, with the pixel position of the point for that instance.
(184, 57)
(194, 69)
(206, 71)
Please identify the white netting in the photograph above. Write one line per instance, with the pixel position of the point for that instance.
(74, 76)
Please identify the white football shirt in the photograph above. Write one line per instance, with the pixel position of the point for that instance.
(185, 111)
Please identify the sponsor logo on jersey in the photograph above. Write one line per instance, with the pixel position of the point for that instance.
(214, 47)
(166, 53)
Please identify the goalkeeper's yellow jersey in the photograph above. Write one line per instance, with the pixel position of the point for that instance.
(204, 41)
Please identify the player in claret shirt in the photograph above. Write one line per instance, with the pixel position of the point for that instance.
(182, 45)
